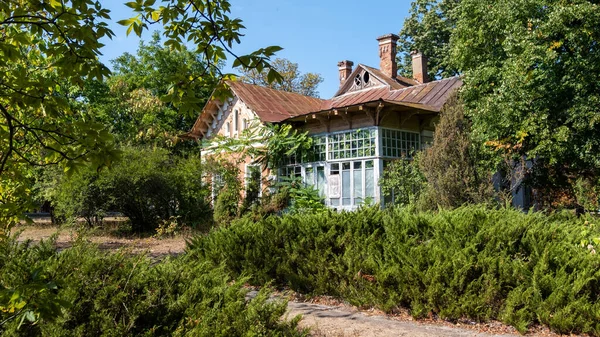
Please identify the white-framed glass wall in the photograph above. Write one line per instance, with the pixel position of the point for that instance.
(345, 166)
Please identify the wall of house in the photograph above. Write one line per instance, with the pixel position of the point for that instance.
(393, 120)
(224, 124)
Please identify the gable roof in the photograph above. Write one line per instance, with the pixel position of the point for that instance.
(394, 83)
(272, 105)
(430, 96)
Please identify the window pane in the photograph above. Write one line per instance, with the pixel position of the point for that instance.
(369, 180)
(309, 178)
(321, 180)
(358, 186)
(335, 168)
(346, 187)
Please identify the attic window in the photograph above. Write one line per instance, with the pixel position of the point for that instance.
(362, 80)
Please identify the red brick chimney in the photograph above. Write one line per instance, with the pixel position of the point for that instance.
(345, 68)
(419, 65)
(387, 54)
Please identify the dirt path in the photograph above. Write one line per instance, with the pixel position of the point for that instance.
(325, 318)
(65, 237)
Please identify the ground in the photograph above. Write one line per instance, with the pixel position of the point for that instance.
(325, 316)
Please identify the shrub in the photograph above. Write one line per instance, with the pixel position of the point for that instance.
(471, 262)
(403, 181)
(106, 294)
(146, 185)
(452, 165)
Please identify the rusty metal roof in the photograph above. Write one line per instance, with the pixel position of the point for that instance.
(430, 96)
(274, 105)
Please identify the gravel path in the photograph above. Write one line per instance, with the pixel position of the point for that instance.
(337, 321)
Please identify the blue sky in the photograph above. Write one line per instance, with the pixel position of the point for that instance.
(316, 34)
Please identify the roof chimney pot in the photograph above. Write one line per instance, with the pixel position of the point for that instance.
(419, 66)
(345, 68)
(387, 54)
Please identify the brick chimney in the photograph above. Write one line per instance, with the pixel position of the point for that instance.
(419, 65)
(387, 54)
(345, 68)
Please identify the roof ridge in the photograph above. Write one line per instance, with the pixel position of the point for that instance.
(428, 83)
(277, 90)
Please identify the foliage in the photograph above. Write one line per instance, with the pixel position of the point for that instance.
(587, 193)
(147, 186)
(299, 197)
(472, 262)
(531, 85)
(428, 29)
(227, 205)
(403, 179)
(269, 145)
(207, 26)
(292, 80)
(129, 101)
(452, 165)
(226, 187)
(46, 50)
(116, 294)
(80, 195)
(49, 50)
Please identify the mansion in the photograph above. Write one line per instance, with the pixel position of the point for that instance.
(376, 116)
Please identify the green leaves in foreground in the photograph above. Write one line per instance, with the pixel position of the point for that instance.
(207, 25)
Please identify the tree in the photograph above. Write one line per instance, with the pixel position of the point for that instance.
(292, 81)
(428, 29)
(531, 82)
(129, 101)
(49, 47)
(452, 165)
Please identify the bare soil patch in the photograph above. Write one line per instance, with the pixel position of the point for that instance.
(66, 236)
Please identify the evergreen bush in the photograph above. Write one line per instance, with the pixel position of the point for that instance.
(83, 291)
(472, 262)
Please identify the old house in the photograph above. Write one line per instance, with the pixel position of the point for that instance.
(375, 116)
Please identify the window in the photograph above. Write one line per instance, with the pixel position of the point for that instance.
(398, 144)
(228, 129)
(346, 192)
(291, 171)
(236, 117)
(319, 149)
(352, 144)
(253, 183)
(356, 183)
(217, 184)
(369, 180)
(244, 124)
(321, 180)
(309, 176)
(334, 184)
